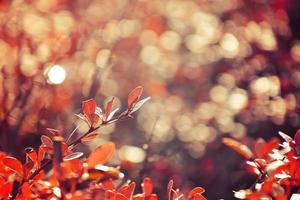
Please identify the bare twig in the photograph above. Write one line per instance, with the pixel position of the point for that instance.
(148, 150)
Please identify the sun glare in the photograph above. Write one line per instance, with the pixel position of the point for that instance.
(56, 74)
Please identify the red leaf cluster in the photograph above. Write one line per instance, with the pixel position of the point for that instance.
(275, 164)
(72, 176)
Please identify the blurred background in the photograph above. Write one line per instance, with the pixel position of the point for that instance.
(213, 68)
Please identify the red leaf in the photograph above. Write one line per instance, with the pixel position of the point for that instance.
(101, 154)
(46, 141)
(259, 147)
(31, 154)
(48, 150)
(134, 96)
(139, 197)
(195, 191)
(41, 155)
(89, 107)
(110, 195)
(297, 139)
(64, 149)
(27, 168)
(26, 191)
(127, 190)
(14, 164)
(147, 186)
(5, 190)
(199, 197)
(108, 108)
(108, 184)
(94, 119)
(153, 197)
(270, 146)
(73, 156)
(240, 148)
(120, 197)
(2, 181)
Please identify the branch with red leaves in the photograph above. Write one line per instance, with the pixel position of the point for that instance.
(73, 177)
(276, 165)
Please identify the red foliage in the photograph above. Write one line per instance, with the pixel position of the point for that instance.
(71, 176)
(276, 165)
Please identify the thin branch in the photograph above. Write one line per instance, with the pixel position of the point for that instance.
(148, 150)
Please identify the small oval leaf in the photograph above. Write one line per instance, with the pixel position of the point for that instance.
(89, 106)
(195, 191)
(238, 147)
(101, 154)
(46, 141)
(134, 96)
(108, 108)
(297, 139)
(13, 164)
(127, 190)
(31, 154)
(147, 186)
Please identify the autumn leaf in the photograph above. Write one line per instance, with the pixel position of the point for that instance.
(31, 154)
(120, 197)
(108, 184)
(127, 190)
(240, 148)
(41, 155)
(89, 107)
(26, 190)
(199, 197)
(13, 164)
(27, 168)
(101, 154)
(297, 139)
(147, 186)
(108, 108)
(5, 190)
(195, 191)
(46, 141)
(94, 119)
(134, 96)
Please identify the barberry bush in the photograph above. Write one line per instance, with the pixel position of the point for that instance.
(57, 171)
(276, 165)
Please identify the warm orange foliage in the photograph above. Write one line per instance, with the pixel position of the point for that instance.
(276, 165)
(71, 176)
